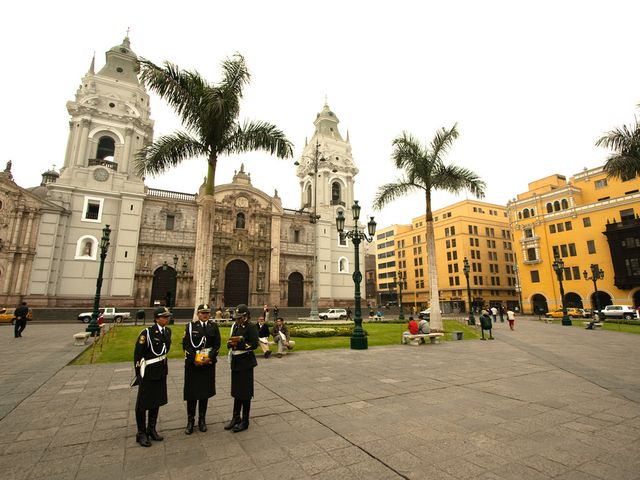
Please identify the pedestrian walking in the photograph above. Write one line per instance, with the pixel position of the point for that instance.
(501, 313)
(242, 342)
(349, 313)
(511, 318)
(20, 314)
(276, 311)
(485, 324)
(151, 367)
(201, 343)
(494, 313)
(265, 313)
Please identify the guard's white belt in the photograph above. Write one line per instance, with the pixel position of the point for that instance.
(239, 352)
(155, 360)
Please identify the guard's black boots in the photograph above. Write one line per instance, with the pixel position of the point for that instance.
(235, 420)
(190, 423)
(202, 424)
(243, 425)
(142, 439)
(151, 431)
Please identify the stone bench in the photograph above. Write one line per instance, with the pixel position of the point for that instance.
(596, 325)
(419, 338)
(80, 339)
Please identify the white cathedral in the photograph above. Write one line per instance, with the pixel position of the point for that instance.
(263, 253)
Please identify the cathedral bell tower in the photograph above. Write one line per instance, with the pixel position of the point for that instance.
(98, 186)
(327, 174)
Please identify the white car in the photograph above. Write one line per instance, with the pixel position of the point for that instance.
(426, 314)
(333, 314)
(619, 311)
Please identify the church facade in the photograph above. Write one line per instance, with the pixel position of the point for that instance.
(263, 253)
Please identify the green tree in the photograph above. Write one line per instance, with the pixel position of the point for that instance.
(625, 143)
(424, 170)
(209, 114)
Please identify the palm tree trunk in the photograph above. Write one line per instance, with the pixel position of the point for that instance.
(203, 258)
(436, 318)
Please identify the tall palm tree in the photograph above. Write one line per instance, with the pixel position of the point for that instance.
(625, 142)
(209, 114)
(424, 169)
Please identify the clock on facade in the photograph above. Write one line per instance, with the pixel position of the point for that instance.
(100, 174)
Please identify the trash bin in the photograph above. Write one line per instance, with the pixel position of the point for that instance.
(457, 335)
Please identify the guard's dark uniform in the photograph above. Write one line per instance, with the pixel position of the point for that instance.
(243, 361)
(153, 343)
(199, 379)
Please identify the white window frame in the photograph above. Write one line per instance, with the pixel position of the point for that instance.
(80, 248)
(346, 261)
(87, 200)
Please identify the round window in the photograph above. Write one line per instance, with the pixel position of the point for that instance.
(119, 70)
(112, 104)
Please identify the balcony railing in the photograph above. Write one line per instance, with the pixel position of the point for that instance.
(189, 197)
(100, 162)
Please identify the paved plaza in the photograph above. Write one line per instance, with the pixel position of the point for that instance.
(543, 401)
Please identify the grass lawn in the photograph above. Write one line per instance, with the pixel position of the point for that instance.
(616, 327)
(119, 342)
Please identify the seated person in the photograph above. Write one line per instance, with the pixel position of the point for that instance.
(280, 334)
(424, 326)
(413, 329)
(219, 314)
(263, 337)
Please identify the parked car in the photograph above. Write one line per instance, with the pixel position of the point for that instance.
(572, 312)
(7, 316)
(109, 314)
(333, 314)
(619, 311)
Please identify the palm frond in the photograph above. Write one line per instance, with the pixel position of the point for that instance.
(625, 143)
(166, 152)
(391, 191)
(256, 135)
(455, 179)
(622, 166)
(406, 150)
(442, 141)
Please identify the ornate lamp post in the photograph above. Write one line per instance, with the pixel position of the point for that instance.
(313, 218)
(358, 339)
(465, 269)
(558, 266)
(93, 326)
(401, 278)
(596, 274)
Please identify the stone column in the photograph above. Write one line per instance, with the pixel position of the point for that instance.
(123, 165)
(81, 154)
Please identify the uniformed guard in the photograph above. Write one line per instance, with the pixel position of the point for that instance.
(200, 343)
(242, 342)
(150, 362)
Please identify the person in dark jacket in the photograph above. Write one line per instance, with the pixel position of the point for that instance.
(20, 314)
(150, 363)
(263, 337)
(485, 324)
(242, 342)
(200, 344)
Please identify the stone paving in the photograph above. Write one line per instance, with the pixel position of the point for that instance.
(543, 401)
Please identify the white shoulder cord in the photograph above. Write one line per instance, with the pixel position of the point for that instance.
(202, 340)
(164, 346)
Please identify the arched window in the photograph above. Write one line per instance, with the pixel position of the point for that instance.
(106, 148)
(532, 212)
(343, 265)
(564, 204)
(240, 220)
(556, 206)
(549, 207)
(525, 213)
(308, 195)
(519, 215)
(335, 192)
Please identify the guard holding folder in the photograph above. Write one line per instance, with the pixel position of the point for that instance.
(150, 362)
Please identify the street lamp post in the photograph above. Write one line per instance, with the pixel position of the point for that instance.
(93, 326)
(596, 274)
(358, 339)
(313, 218)
(558, 266)
(401, 278)
(465, 269)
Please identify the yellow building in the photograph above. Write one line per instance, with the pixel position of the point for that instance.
(588, 220)
(469, 229)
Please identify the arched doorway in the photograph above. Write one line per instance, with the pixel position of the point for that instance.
(573, 300)
(539, 303)
(636, 298)
(163, 290)
(236, 283)
(295, 290)
(603, 297)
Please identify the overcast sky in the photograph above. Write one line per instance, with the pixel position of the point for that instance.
(532, 85)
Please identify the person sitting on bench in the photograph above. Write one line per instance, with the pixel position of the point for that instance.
(413, 329)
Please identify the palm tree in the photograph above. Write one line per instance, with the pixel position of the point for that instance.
(625, 142)
(209, 114)
(424, 169)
